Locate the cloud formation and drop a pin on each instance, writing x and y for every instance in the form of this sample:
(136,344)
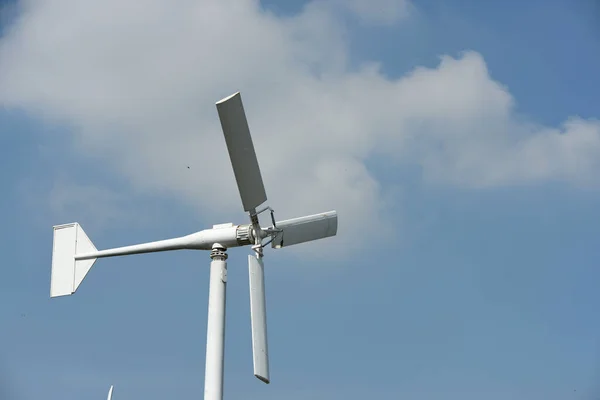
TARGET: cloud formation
(136,83)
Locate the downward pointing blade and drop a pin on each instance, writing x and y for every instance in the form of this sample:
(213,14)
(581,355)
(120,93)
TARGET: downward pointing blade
(258,316)
(241,151)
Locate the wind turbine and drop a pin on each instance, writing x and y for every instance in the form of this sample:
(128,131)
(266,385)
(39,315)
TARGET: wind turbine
(73,253)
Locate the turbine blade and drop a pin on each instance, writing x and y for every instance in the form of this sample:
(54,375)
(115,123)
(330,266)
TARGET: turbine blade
(305,229)
(110,393)
(241,151)
(258,317)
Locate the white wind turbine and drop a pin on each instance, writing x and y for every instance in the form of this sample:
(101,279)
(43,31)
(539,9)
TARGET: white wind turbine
(73,253)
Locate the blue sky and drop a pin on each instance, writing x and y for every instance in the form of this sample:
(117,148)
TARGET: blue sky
(460,286)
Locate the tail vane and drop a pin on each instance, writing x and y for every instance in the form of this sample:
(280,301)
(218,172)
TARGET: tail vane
(68,273)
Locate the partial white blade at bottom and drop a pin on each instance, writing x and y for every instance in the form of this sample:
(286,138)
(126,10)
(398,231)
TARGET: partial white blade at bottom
(110,393)
(258,316)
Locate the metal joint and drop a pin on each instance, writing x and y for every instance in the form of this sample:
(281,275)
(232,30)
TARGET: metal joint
(218,252)
(272,214)
(258,249)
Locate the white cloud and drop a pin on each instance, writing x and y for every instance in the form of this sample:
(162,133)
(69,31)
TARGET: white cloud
(101,207)
(93,205)
(137,82)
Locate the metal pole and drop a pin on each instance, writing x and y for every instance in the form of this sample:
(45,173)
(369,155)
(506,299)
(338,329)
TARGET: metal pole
(215,335)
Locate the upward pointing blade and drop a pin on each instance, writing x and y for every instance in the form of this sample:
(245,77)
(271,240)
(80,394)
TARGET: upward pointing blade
(241,151)
(258,317)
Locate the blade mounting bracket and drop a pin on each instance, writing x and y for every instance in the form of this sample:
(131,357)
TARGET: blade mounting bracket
(272,214)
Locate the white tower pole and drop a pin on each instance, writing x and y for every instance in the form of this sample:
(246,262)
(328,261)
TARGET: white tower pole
(215,335)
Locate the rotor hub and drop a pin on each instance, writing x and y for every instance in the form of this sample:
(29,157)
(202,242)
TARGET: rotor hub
(244,235)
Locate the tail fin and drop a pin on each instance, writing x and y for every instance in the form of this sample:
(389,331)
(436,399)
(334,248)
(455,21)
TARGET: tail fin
(68,273)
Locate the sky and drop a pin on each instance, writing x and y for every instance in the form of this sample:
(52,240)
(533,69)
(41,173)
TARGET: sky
(459,142)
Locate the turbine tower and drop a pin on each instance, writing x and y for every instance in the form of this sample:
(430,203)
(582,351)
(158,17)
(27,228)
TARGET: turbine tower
(73,253)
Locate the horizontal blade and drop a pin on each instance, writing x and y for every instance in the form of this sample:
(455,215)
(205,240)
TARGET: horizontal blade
(305,229)
(258,317)
(241,151)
